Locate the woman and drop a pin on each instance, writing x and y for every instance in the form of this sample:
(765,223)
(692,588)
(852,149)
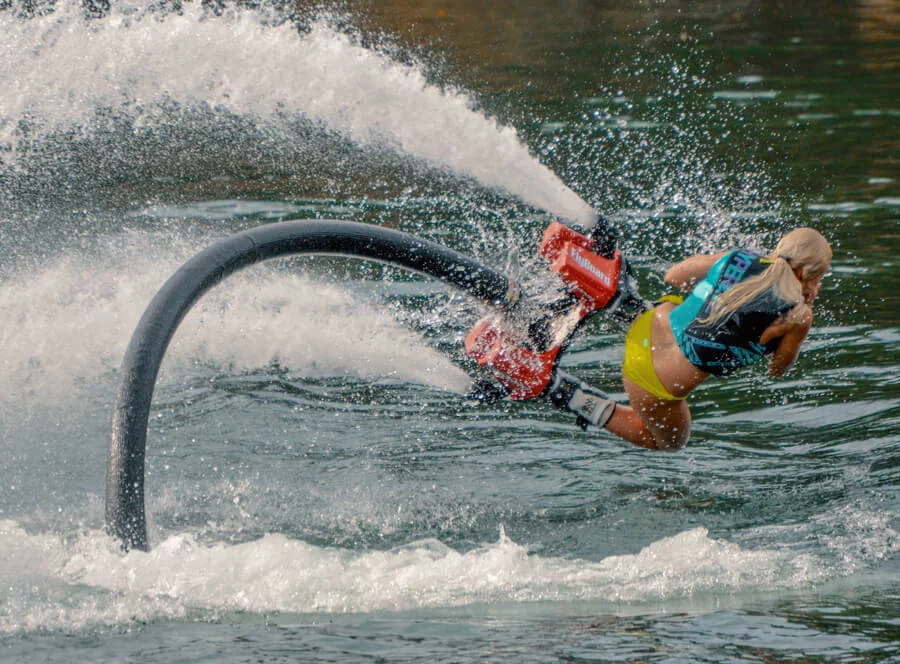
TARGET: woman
(741,307)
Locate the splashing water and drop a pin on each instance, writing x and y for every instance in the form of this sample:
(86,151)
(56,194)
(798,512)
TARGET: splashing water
(57,75)
(74,317)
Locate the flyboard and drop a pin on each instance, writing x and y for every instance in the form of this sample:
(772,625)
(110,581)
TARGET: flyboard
(519,342)
(522,351)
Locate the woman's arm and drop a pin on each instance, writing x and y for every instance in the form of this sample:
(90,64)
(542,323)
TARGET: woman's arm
(687,273)
(792,328)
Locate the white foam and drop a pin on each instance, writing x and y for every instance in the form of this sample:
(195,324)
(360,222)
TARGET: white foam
(85,579)
(68,324)
(58,71)
(275,573)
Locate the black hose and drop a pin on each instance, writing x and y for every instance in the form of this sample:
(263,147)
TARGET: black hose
(125,510)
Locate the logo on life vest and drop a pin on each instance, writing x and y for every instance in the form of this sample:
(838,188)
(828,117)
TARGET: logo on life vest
(590,267)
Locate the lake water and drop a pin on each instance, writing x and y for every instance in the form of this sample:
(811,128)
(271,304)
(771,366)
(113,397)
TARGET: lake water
(319,489)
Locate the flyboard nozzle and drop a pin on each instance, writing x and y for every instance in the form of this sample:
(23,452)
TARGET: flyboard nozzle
(603,235)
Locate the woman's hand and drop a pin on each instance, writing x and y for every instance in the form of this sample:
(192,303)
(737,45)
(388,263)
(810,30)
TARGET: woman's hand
(800,316)
(792,328)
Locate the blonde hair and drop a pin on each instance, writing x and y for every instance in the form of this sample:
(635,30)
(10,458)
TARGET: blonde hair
(803,250)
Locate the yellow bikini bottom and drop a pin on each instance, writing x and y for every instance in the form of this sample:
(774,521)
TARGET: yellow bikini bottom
(638,365)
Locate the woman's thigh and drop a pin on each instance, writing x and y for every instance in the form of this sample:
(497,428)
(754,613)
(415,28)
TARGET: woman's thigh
(668,421)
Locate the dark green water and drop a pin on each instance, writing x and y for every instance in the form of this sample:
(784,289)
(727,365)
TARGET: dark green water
(318,490)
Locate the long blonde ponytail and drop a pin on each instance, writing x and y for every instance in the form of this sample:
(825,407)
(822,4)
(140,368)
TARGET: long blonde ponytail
(803,250)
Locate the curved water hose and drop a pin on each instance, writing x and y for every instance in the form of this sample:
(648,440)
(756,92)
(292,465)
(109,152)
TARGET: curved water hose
(125,511)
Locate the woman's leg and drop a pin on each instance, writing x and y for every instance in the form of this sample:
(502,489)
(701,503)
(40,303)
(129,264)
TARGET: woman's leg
(650,421)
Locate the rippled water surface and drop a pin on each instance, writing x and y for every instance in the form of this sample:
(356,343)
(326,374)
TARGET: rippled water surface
(318,487)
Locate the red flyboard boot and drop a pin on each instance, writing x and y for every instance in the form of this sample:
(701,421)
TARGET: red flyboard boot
(591,277)
(525,373)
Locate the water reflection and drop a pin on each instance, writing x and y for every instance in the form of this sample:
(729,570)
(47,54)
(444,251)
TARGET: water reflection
(879,20)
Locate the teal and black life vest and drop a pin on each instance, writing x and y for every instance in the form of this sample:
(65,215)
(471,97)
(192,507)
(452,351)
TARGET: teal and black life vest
(732,342)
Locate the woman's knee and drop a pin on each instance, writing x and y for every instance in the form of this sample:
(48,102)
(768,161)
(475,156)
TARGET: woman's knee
(663,424)
(672,439)
(670,425)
